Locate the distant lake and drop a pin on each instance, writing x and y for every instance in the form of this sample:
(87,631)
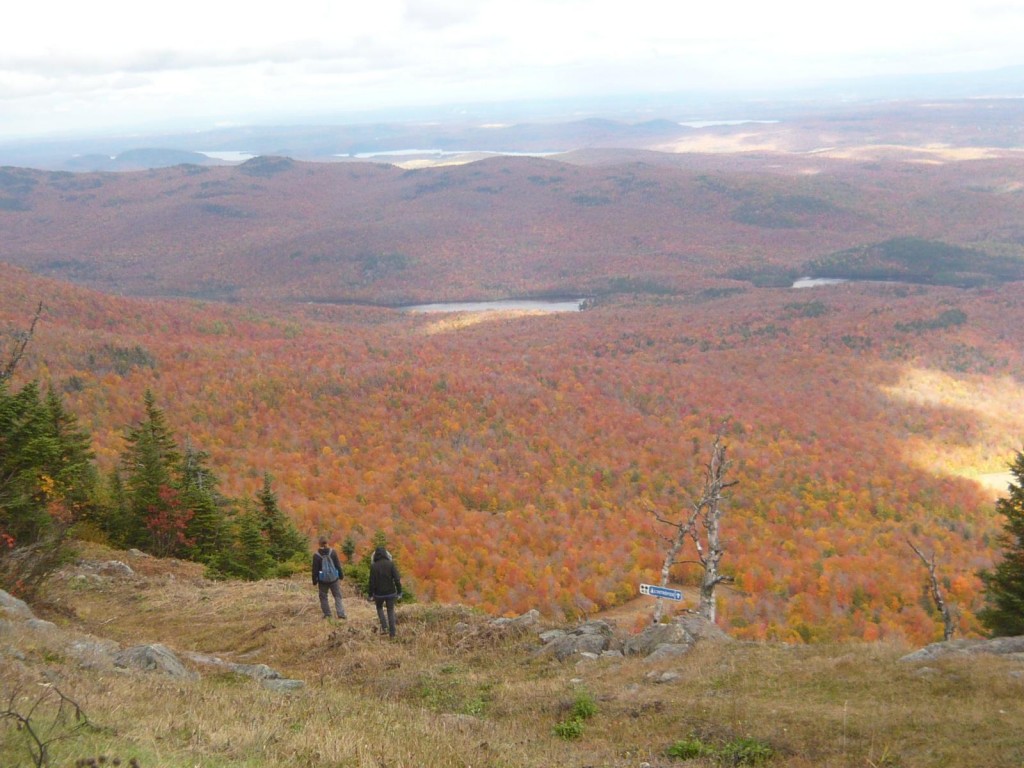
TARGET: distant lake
(713,123)
(441,153)
(229,156)
(521,305)
(813,282)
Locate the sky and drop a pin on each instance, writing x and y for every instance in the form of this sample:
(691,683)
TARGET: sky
(94,66)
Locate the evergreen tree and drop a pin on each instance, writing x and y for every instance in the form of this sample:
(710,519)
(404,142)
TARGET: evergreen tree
(249,558)
(115,518)
(1003,613)
(25,451)
(150,464)
(283,538)
(72,468)
(348,548)
(207,530)
(47,481)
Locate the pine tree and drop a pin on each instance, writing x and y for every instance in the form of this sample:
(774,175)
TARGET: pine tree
(283,538)
(47,481)
(207,530)
(71,467)
(25,450)
(150,466)
(1003,613)
(249,558)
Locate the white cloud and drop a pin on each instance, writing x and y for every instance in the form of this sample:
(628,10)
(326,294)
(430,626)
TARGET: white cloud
(107,62)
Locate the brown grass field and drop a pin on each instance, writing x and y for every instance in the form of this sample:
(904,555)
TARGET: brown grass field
(452,690)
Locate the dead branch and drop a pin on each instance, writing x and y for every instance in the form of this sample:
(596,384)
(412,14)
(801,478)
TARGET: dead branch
(41,735)
(21,340)
(948,613)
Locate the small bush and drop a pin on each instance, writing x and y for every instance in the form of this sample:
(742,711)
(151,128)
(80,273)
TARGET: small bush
(569,730)
(742,751)
(584,707)
(690,748)
(747,751)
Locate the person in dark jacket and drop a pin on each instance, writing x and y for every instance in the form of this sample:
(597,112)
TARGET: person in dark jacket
(384,587)
(326,555)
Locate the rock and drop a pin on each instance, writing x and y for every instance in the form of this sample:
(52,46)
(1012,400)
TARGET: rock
(647,641)
(256,671)
(1000,646)
(282,685)
(14,607)
(570,645)
(115,568)
(551,635)
(152,658)
(527,620)
(701,629)
(522,623)
(668,650)
(597,627)
(93,653)
(40,625)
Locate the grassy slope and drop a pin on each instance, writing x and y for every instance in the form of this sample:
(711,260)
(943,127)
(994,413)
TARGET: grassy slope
(441,696)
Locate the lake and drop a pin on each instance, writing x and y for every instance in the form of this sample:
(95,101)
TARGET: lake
(812,282)
(505,305)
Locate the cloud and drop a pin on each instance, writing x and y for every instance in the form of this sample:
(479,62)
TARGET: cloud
(435,15)
(206,58)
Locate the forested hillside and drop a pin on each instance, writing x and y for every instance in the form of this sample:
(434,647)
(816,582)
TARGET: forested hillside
(513,461)
(659,224)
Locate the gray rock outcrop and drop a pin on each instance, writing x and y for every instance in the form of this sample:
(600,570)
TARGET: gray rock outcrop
(590,637)
(655,638)
(153,658)
(1001,646)
(14,608)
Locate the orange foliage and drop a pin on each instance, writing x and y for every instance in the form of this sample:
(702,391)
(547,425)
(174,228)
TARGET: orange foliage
(511,462)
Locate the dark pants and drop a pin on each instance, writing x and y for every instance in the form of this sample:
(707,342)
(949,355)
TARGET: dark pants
(387,625)
(334,590)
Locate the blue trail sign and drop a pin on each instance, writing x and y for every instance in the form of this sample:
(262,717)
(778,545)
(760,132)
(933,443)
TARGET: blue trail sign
(652,590)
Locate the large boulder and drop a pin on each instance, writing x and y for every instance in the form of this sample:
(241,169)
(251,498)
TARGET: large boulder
(700,629)
(999,646)
(590,637)
(13,607)
(649,641)
(153,658)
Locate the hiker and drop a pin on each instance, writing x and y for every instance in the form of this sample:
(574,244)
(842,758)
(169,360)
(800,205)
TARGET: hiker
(384,587)
(327,576)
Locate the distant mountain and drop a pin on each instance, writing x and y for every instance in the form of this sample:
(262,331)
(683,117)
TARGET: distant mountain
(136,160)
(615,221)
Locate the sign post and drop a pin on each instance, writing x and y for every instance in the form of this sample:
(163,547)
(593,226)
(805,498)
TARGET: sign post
(652,590)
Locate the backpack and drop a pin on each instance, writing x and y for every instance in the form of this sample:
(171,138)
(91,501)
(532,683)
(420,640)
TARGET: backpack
(328,571)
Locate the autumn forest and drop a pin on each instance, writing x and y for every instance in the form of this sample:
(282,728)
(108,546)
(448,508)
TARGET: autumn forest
(516,460)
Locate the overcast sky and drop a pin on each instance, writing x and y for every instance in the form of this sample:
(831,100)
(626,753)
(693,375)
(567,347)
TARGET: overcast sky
(92,65)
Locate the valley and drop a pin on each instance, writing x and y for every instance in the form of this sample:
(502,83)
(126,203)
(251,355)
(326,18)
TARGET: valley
(514,459)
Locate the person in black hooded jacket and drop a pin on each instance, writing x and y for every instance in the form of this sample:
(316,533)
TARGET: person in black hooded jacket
(384,587)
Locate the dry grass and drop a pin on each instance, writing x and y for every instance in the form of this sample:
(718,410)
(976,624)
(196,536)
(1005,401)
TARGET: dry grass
(454,691)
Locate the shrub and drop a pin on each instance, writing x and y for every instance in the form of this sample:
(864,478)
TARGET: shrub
(747,751)
(569,730)
(690,748)
(584,707)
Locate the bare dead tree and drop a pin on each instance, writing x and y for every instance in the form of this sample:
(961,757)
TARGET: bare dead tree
(709,518)
(19,345)
(702,526)
(948,612)
(41,732)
